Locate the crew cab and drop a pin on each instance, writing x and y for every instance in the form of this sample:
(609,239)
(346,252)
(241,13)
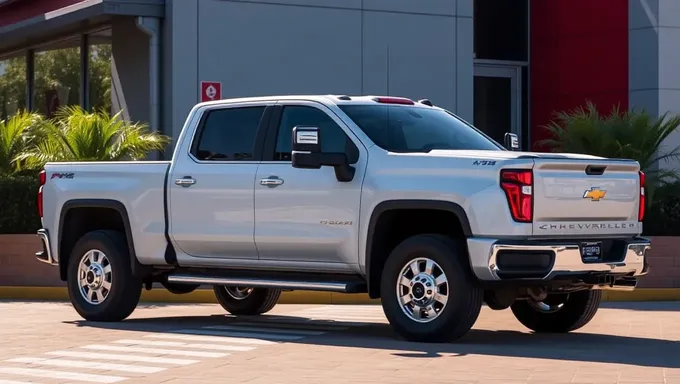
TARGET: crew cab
(396,198)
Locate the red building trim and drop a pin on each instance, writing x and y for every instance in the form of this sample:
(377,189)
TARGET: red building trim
(579,52)
(17,10)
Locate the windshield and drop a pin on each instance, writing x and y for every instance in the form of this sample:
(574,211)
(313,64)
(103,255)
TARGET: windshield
(413,129)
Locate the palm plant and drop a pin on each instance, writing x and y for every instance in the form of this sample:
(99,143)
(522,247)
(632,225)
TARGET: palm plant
(625,135)
(17,133)
(78,135)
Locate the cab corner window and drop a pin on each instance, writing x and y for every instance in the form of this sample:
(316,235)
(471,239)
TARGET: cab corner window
(333,138)
(228,134)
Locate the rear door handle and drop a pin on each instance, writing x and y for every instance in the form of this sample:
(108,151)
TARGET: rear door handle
(186,181)
(271,181)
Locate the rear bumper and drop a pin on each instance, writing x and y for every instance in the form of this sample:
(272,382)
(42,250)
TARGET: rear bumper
(548,260)
(45,255)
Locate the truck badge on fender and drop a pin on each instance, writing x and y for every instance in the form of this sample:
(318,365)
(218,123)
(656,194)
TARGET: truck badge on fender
(594,194)
(335,222)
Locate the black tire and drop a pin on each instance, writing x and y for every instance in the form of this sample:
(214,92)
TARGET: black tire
(180,289)
(125,289)
(578,310)
(498,300)
(462,308)
(259,301)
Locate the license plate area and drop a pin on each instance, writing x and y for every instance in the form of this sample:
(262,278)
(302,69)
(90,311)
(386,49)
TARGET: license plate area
(591,252)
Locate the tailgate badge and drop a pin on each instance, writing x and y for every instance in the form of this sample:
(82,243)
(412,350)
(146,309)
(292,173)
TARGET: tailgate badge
(594,194)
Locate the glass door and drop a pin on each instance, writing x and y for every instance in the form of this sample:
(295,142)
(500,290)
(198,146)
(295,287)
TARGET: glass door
(498,100)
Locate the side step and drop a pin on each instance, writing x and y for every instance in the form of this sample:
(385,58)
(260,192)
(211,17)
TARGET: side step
(334,283)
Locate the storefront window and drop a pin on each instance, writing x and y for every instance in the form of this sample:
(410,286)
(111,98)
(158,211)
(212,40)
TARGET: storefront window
(57,78)
(501,30)
(99,72)
(12,86)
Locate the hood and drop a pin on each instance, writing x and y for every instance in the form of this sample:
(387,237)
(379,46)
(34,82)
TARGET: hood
(498,155)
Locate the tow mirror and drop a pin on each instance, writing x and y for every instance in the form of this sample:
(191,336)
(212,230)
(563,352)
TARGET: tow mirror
(306,139)
(307,154)
(511,142)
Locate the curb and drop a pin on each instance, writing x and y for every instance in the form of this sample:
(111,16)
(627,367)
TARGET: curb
(206,296)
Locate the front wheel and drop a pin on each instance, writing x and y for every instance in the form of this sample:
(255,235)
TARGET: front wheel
(428,291)
(246,301)
(559,312)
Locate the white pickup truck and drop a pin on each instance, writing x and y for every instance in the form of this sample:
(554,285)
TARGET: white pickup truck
(387,196)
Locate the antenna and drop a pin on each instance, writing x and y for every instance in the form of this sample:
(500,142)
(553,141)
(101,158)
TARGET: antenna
(388,70)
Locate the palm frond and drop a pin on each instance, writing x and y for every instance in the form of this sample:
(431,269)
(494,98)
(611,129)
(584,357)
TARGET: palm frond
(78,135)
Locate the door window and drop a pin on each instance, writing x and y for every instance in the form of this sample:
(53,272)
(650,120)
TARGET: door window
(228,134)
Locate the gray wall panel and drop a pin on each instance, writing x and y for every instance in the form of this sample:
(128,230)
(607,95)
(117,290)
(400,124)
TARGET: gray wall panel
(419,66)
(264,47)
(286,49)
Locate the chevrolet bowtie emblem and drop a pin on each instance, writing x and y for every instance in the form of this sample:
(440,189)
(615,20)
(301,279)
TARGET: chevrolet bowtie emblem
(594,194)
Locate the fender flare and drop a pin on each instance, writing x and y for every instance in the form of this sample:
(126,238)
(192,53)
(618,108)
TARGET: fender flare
(138,269)
(390,205)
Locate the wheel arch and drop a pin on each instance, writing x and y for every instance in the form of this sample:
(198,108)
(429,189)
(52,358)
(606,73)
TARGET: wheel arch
(404,205)
(64,242)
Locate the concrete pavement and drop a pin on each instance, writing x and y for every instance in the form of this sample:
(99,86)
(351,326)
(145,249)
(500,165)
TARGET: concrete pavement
(46,342)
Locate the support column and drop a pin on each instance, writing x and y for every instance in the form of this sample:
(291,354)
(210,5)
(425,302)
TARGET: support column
(30,79)
(85,72)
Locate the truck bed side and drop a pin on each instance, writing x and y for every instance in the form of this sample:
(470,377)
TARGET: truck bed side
(139,187)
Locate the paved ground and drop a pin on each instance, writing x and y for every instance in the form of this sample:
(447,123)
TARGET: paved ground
(48,343)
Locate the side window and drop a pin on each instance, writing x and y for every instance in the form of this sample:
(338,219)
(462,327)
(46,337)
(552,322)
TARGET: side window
(333,138)
(228,134)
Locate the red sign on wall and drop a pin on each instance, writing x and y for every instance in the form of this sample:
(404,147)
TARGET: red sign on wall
(211,90)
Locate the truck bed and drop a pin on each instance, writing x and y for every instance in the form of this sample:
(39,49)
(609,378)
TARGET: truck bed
(138,185)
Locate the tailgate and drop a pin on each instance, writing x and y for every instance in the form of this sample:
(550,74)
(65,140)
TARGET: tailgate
(584,197)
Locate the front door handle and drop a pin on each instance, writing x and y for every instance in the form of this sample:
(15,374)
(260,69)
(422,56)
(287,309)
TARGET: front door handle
(186,181)
(271,181)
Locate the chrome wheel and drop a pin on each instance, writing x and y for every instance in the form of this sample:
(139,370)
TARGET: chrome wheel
(95,276)
(422,290)
(550,304)
(239,293)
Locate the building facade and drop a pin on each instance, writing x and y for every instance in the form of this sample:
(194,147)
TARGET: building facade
(502,65)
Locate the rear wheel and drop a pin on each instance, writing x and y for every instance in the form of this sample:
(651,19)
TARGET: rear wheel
(99,277)
(428,292)
(246,301)
(558,313)
(180,289)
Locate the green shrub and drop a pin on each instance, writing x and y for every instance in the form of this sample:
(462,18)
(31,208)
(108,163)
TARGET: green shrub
(18,203)
(663,216)
(633,135)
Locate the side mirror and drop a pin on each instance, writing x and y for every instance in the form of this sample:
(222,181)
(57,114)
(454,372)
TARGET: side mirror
(306,139)
(511,142)
(307,154)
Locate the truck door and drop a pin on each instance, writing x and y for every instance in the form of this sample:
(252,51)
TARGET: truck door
(211,185)
(307,215)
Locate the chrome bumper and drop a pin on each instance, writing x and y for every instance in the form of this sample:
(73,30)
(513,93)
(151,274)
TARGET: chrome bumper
(46,254)
(567,259)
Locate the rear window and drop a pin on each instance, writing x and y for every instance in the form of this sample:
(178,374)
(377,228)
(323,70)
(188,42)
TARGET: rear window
(413,129)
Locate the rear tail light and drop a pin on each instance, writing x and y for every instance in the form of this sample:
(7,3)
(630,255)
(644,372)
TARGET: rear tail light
(393,100)
(641,210)
(518,185)
(43,179)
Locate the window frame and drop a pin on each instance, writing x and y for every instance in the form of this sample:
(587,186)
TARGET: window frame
(260,134)
(269,149)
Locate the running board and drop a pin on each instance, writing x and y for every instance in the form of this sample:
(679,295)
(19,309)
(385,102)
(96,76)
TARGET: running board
(283,282)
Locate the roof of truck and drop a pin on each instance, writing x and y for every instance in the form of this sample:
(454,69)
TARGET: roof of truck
(327,99)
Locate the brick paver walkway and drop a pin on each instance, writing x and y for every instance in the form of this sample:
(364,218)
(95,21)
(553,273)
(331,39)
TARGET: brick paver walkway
(48,343)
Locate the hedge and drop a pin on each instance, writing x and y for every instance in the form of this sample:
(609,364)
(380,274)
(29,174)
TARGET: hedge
(662,218)
(18,204)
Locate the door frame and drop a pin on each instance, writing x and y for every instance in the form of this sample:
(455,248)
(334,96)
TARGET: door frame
(512,71)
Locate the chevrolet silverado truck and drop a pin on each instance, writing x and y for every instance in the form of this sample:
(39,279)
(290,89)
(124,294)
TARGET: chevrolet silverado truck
(385,196)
